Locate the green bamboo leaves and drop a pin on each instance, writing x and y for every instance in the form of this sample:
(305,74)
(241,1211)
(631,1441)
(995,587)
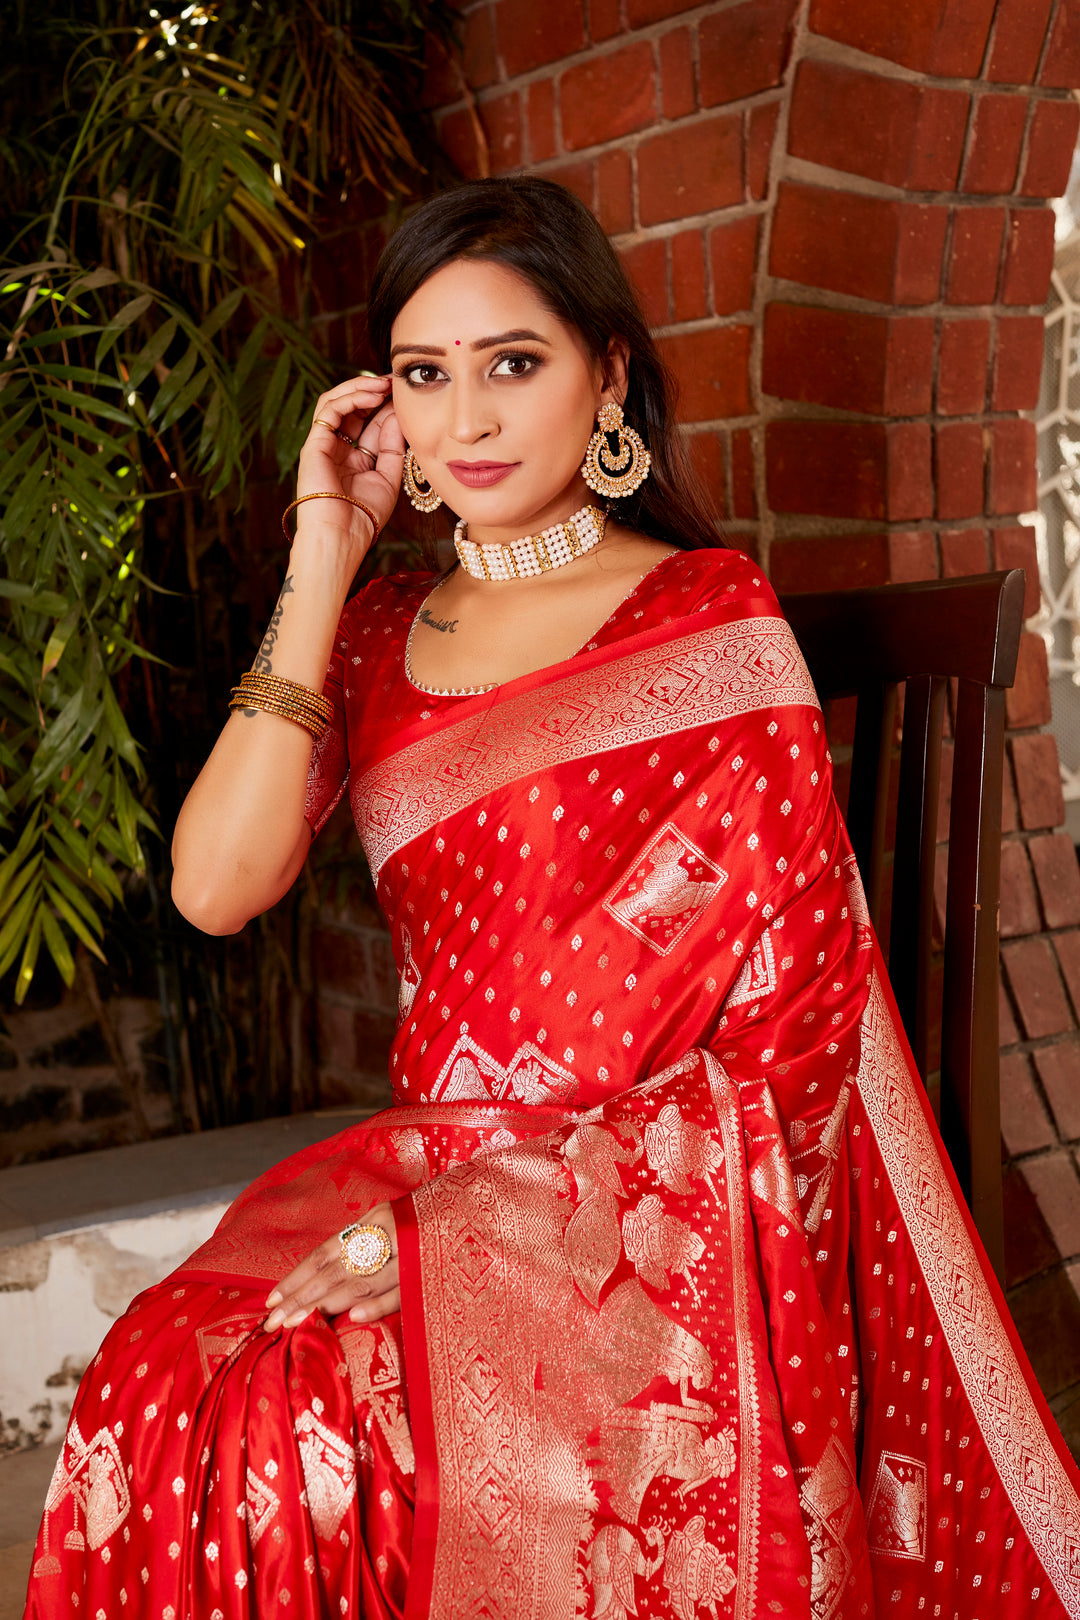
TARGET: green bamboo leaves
(143,357)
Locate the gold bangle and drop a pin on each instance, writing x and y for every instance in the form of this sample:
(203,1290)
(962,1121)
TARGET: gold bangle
(287,699)
(285,691)
(329,495)
(316,727)
(244,694)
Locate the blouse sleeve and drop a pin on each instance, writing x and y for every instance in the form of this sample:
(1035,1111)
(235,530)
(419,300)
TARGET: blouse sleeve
(328,774)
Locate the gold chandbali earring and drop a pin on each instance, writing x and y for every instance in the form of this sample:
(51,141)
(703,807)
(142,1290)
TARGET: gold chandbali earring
(417,488)
(616,462)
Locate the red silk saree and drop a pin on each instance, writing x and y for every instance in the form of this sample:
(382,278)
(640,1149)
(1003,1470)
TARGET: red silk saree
(694,1322)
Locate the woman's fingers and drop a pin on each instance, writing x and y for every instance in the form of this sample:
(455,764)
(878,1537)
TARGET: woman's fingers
(355,445)
(373,1310)
(302,1283)
(359,397)
(332,1291)
(354,388)
(322,1282)
(391,441)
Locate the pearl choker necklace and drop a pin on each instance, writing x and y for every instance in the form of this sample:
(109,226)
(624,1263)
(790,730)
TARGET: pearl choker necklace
(532,554)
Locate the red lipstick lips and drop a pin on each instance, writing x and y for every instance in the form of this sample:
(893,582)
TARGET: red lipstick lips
(480,474)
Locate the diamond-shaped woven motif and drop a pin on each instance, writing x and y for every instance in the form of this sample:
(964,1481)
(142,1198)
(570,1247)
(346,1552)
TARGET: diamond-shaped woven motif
(1072,1556)
(665,890)
(481,1380)
(757,978)
(494,1498)
(669,686)
(963,1291)
(896,1106)
(896,1517)
(998,1385)
(1034,1471)
(930,1199)
(217,1341)
(262,1505)
(773,660)
(473,1261)
(562,718)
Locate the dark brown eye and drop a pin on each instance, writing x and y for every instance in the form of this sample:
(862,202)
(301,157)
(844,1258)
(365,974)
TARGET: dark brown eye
(515,365)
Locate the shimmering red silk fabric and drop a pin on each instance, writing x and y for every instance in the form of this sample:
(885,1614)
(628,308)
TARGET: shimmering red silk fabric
(693,1322)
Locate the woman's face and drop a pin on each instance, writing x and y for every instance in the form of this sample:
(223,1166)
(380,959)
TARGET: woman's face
(496,396)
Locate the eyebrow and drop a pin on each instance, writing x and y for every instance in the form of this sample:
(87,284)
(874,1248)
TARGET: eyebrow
(519,335)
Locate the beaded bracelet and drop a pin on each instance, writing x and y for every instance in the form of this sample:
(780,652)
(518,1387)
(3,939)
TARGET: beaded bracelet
(288,699)
(329,495)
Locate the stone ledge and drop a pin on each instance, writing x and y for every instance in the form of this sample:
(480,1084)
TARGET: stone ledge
(80,1237)
(149,1178)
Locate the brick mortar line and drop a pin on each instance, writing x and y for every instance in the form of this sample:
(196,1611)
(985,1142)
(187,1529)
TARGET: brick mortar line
(1048,34)
(633,138)
(1043,1275)
(843,55)
(1032,1155)
(785,409)
(701,114)
(636,138)
(774,409)
(1070,1390)
(762,279)
(804,171)
(708,219)
(702,323)
(1024,152)
(809,528)
(1038,933)
(821,47)
(825,297)
(591,52)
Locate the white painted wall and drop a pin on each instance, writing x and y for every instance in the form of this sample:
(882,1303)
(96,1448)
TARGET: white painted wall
(59,1296)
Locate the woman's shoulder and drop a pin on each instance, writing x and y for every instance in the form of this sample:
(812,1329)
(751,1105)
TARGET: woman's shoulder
(385,599)
(716,574)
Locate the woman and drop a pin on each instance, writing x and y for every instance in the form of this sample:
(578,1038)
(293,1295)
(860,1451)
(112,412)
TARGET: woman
(651,1294)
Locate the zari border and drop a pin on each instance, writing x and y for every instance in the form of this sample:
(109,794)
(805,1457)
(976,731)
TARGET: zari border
(719,671)
(493,1433)
(749,1421)
(1022,1451)
(421,1414)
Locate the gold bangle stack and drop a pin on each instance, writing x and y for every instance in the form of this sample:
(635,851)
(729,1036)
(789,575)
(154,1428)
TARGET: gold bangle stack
(285,698)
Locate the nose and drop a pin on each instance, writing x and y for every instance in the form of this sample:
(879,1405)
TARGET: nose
(472,414)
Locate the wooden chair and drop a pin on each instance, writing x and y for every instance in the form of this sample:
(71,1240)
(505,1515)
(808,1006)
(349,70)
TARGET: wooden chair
(926,636)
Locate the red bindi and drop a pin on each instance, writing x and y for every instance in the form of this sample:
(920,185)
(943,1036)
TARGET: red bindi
(457,343)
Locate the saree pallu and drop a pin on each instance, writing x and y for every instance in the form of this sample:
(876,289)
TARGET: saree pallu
(693,1318)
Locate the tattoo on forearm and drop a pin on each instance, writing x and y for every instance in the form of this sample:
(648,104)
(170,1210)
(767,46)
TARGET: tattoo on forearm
(263,660)
(449,625)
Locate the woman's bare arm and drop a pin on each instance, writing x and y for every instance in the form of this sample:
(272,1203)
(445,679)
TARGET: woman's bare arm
(241,837)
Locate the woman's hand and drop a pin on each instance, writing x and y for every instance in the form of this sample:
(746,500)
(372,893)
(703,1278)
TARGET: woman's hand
(355,447)
(321,1283)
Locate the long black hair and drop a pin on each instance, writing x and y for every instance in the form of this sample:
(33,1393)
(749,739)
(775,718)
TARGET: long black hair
(542,231)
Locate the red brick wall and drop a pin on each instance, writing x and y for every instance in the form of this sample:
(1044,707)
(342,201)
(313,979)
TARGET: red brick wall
(835,212)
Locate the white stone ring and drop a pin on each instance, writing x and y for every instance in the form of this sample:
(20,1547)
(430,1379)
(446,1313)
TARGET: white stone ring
(364,1250)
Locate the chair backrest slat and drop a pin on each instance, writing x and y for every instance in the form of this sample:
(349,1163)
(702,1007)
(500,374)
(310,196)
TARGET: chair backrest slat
(868,796)
(927,636)
(970,1105)
(912,932)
